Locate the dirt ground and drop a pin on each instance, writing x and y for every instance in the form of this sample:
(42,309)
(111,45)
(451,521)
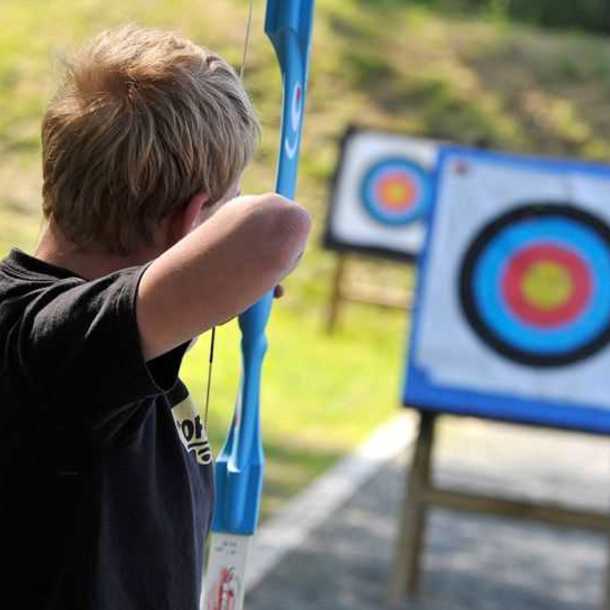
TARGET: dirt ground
(471,562)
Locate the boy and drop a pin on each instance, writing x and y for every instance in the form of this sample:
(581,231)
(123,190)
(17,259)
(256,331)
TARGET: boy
(104,502)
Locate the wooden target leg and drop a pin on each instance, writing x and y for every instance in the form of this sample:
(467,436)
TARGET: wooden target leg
(406,567)
(411,293)
(336,294)
(606,602)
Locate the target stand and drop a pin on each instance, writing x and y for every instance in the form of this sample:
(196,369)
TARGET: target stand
(346,289)
(381,195)
(511,323)
(422,495)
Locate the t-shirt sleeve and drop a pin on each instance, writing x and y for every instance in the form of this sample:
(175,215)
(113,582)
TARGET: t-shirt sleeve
(79,341)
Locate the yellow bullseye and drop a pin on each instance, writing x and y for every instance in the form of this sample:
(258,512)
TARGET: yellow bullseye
(397,194)
(547,285)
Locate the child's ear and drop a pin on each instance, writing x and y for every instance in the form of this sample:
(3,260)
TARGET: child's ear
(187,218)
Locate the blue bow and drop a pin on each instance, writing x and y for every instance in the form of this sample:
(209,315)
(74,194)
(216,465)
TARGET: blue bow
(239,467)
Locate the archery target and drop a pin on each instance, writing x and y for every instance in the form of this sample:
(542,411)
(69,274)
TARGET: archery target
(534,284)
(395,191)
(382,194)
(513,303)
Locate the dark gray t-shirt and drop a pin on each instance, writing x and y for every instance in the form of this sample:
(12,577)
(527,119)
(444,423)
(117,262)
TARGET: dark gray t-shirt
(105,469)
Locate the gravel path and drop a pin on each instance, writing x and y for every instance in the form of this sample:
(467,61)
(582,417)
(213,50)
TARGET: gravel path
(471,562)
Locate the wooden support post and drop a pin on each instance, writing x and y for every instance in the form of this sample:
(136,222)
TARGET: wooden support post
(407,557)
(606,600)
(336,294)
(421,494)
(543,512)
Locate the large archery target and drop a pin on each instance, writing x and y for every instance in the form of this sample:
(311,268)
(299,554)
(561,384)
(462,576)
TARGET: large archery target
(513,300)
(382,194)
(534,284)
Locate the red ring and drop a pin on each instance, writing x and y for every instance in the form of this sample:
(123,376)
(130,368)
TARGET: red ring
(580,276)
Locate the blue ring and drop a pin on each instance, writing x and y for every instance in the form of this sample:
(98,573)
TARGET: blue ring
(491,265)
(371,204)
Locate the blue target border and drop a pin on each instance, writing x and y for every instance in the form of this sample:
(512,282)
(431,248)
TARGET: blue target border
(423,392)
(396,219)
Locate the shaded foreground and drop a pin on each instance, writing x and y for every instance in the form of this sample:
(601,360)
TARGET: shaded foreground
(471,562)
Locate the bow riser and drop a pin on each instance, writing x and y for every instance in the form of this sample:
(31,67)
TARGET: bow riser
(239,468)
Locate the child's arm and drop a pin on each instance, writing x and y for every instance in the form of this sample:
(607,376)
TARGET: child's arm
(218,270)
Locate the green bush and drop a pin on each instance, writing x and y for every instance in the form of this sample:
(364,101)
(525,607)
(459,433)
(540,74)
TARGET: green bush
(592,15)
(586,14)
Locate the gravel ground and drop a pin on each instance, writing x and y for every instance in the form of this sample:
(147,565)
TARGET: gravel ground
(471,562)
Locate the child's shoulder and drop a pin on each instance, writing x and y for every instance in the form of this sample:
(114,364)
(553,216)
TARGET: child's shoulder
(35,291)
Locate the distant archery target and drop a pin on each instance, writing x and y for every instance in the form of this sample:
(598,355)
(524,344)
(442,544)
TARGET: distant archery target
(396,191)
(535,284)
(381,194)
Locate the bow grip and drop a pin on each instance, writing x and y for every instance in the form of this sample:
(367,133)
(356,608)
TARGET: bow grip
(239,468)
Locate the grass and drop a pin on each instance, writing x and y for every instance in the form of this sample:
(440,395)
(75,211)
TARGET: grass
(390,65)
(321,394)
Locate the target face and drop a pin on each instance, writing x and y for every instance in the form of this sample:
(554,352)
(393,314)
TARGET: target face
(396,191)
(534,285)
(381,194)
(512,315)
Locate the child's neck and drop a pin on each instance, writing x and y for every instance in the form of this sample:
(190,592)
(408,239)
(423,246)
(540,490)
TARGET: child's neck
(56,249)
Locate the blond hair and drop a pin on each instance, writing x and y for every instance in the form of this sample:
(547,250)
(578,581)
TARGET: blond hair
(142,122)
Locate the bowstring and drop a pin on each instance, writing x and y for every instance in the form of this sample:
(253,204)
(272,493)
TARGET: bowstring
(242,72)
(209,384)
(244,57)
